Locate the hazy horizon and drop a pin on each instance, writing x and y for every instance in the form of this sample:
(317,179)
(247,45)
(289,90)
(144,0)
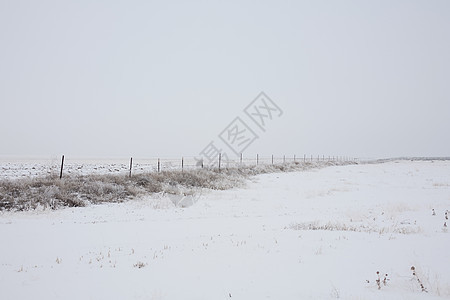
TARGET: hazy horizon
(164,79)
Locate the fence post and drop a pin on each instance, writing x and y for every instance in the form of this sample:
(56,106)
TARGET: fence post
(272,159)
(294,158)
(62,165)
(311,157)
(182,164)
(131,165)
(159,166)
(257,159)
(241,158)
(284,159)
(220,158)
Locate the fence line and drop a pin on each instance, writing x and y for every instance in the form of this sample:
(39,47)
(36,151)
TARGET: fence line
(184,162)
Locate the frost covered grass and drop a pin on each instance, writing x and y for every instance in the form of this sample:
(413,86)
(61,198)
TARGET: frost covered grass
(75,191)
(338,226)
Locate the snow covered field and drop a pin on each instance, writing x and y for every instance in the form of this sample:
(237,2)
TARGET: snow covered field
(14,168)
(318,234)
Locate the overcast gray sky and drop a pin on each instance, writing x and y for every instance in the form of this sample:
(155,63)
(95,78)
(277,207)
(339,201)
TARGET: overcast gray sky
(147,78)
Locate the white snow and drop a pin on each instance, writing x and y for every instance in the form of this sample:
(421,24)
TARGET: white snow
(13,168)
(255,242)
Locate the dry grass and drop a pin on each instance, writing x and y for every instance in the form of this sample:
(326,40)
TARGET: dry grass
(337,226)
(52,192)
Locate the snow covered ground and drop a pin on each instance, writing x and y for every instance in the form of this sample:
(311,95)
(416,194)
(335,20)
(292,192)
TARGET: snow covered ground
(318,234)
(14,168)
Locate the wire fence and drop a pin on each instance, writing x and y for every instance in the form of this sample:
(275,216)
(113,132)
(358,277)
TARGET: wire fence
(16,168)
(19,167)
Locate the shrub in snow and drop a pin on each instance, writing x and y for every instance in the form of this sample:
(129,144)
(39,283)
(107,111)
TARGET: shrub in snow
(414,273)
(139,265)
(381,280)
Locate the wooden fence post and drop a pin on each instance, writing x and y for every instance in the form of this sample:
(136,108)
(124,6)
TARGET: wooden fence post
(284,159)
(241,158)
(131,165)
(272,159)
(294,158)
(257,159)
(182,164)
(220,158)
(159,166)
(62,166)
